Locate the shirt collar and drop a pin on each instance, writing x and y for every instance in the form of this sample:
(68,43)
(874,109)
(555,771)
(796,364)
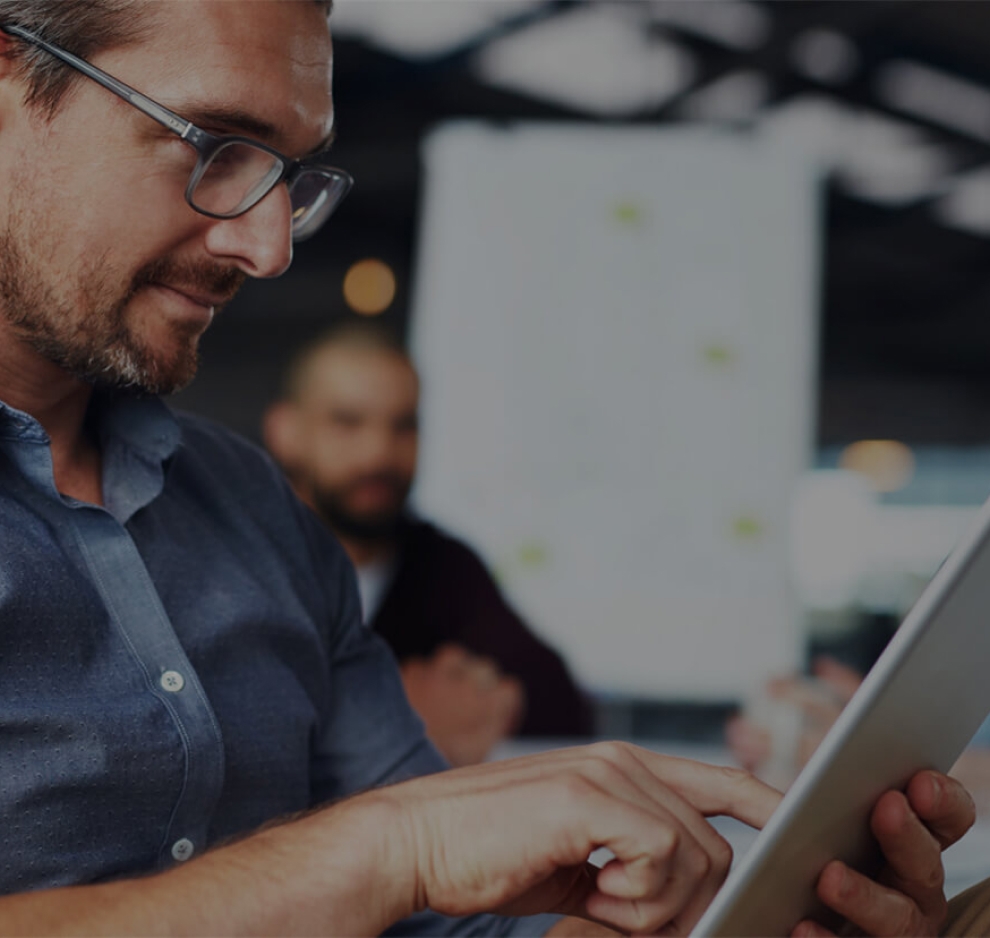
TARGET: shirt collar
(17,425)
(138,437)
(144,425)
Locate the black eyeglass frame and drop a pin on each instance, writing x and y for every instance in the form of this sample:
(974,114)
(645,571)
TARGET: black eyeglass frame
(202,141)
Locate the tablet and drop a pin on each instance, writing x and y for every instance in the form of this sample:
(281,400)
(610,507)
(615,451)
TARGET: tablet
(918,708)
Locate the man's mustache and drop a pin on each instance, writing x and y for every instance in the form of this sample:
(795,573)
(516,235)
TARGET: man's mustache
(206,277)
(391,479)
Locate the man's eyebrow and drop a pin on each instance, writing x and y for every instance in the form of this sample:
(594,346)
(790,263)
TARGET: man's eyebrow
(232,120)
(236,120)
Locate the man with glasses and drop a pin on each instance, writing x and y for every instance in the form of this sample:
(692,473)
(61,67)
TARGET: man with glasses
(181,656)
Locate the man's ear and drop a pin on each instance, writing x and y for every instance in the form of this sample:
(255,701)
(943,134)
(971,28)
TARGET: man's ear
(8,46)
(11,87)
(280,431)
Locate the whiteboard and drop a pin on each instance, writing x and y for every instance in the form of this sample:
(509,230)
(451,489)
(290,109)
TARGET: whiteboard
(616,329)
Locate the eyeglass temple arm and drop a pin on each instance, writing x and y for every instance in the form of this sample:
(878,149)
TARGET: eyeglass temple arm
(155,111)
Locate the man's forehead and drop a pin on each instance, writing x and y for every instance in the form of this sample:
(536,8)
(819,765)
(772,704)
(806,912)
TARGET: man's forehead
(265,60)
(355,375)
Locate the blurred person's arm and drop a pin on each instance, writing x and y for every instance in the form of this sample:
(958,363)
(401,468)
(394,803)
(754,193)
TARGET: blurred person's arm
(815,702)
(819,701)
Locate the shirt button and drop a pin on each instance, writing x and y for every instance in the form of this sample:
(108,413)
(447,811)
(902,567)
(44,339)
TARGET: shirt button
(173,682)
(183,849)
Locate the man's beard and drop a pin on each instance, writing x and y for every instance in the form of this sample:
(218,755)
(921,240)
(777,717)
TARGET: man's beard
(90,339)
(331,505)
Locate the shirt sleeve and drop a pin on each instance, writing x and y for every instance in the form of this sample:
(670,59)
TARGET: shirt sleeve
(372,737)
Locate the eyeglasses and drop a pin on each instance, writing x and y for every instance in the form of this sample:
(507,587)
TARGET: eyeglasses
(232,173)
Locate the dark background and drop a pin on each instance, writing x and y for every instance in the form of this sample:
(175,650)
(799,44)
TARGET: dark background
(905,329)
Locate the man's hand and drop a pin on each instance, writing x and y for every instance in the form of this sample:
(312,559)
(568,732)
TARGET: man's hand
(514,836)
(467,704)
(816,700)
(913,829)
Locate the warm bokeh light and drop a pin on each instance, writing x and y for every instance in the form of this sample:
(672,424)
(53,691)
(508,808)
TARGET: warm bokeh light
(887,464)
(369,287)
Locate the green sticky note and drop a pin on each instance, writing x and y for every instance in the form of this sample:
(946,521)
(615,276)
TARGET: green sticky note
(718,354)
(747,528)
(628,213)
(533,555)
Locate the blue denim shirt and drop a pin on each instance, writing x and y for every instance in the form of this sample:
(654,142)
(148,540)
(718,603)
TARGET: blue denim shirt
(182,665)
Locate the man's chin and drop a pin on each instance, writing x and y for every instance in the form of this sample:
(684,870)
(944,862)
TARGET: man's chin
(142,374)
(366,528)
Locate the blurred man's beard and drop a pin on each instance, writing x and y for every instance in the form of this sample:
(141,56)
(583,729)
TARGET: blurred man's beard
(331,506)
(91,339)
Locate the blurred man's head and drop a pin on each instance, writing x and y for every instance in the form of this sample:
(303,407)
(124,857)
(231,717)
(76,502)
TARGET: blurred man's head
(346,430)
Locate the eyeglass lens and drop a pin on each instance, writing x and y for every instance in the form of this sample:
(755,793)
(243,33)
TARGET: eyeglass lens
(314,196)
(238,175)
(235,177)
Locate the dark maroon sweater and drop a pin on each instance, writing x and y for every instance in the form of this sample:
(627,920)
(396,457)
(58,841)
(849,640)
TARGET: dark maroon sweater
(441,592)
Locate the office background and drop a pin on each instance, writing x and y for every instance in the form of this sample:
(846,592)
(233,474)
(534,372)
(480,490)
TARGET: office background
(889,100)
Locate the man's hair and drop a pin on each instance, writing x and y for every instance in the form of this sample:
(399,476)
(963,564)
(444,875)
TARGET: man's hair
(349,335)
(83,27)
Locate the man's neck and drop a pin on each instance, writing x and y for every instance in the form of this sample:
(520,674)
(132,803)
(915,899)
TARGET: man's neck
(58,401)
(363,553)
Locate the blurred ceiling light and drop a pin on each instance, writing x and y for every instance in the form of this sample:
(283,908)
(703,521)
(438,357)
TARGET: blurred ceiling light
(937,96)
(735,97)
(423,28)
(739,24)
(888,465)
(369,287)
(824,55)
(892,162)
(594,58)
(873,156)
(967,205)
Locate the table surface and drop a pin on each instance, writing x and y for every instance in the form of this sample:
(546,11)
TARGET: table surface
(966,863)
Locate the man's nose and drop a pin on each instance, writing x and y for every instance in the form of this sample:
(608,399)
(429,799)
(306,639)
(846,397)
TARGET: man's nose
(379,448)
(259,242)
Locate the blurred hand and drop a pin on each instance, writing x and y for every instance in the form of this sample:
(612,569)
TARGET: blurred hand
(466,702)
(816,701)
(913,829)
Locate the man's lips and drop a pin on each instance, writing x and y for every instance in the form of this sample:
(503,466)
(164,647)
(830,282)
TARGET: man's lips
(197,297)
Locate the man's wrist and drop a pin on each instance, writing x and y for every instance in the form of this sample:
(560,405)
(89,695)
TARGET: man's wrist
(380,867)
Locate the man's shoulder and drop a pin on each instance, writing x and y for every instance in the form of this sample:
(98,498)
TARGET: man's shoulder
(203,433)
(215,448)
(426,540)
